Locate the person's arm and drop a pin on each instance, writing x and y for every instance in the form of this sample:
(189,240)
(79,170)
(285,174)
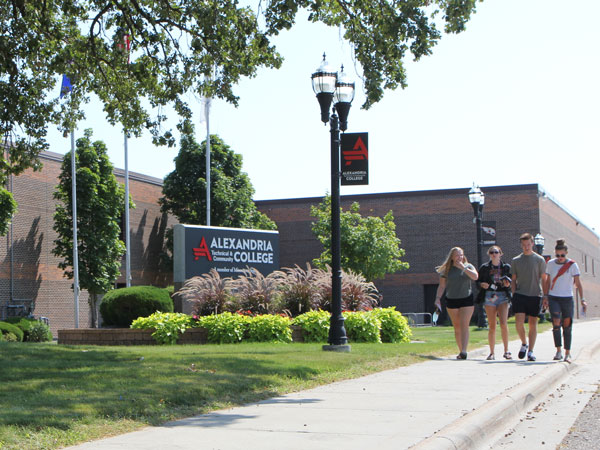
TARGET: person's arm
(513,284)
(546,290)
(482,276)
(470,271)
(579,288)
(439,292)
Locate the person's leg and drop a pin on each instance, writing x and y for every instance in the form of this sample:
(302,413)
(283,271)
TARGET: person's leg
(520,327)
(555,312)
(465,318)
(533,320)
(456,323)
(567,312)
(502,311)
(491,315)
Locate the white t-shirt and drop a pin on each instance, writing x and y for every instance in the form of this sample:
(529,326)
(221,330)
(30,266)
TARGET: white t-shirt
(564,284)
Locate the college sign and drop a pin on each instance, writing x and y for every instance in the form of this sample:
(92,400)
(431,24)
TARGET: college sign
(198,249)
(488,232)
(355,159)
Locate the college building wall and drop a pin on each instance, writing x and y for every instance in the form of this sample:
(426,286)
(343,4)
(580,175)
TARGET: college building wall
(428,223)
(30,273)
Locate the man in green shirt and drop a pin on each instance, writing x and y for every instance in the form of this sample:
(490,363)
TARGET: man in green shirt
(528,272)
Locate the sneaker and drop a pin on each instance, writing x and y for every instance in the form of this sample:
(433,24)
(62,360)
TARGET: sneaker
(507,355)
(530,356)
(568,358)
(523,351)
(490,357)
(558,356)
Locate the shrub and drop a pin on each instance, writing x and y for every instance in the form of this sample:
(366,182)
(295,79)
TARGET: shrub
(269,328)
(167,326)
(24,323)
(121,307)
(209,293)
(362,327)
(10,337)
(394,326)
(7,328)
(358,294)
(255,292)
(39,332)
(315,325)
(299,289)
(225,328)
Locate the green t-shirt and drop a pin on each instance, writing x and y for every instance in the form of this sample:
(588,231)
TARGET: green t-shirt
(529,270)
(458,284)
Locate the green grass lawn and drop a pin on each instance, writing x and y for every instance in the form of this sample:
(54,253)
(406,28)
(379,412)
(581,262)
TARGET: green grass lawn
(53,396)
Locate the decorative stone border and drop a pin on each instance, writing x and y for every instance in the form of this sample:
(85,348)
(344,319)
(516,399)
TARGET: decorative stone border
(128,336)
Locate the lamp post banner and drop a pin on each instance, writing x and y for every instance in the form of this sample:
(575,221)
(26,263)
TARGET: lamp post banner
(355,159)
(198,249)
(488,232)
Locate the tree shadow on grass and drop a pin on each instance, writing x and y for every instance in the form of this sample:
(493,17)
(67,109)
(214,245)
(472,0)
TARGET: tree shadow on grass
(47,386)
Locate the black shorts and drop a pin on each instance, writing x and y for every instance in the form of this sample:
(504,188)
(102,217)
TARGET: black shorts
(455,303)
(525,304)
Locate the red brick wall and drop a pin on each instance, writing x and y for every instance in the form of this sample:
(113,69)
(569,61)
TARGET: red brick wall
(428,223)
(35,272)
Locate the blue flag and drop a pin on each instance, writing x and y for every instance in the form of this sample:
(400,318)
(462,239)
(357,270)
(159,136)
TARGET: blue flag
(66,86)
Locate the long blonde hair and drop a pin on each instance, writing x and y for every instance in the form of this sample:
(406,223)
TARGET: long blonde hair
(444,268)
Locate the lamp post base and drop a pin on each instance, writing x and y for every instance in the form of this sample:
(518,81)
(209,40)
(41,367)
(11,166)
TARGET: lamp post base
(337,348)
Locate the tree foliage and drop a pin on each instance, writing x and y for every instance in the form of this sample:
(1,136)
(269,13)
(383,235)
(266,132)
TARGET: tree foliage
(180,47)
(231,204)
(369,245)
(99,208)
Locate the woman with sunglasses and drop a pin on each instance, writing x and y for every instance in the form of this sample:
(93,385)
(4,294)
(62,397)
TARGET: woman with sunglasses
(494,285)
(558,289)
(456,275)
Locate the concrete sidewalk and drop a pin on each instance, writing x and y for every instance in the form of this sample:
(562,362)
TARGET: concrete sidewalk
(439,404)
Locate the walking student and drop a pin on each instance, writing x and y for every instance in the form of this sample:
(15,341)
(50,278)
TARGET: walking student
(562,273)
(528,272)
(494,284)
(456,275)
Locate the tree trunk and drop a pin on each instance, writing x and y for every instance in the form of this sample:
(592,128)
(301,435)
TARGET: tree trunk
(93,310)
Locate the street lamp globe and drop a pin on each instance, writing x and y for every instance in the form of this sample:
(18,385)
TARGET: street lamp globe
(343,96)
(324,85)
(477,199)
(539,241)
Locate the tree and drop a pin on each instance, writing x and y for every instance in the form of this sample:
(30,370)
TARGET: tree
(368,244)
(99,208)
(231,203)
(180,46)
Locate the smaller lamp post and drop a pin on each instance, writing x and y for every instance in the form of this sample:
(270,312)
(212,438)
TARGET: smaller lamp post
(539,240)
(477,200)
(331,86)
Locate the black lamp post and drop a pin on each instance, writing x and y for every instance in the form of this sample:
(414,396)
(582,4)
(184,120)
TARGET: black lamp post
(331,86)
(539,240)
(477,200)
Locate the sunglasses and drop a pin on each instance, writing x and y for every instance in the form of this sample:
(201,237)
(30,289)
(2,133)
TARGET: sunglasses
(493,252)
(561,255)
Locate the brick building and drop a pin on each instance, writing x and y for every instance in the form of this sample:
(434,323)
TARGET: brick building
(429,223)
(30,276)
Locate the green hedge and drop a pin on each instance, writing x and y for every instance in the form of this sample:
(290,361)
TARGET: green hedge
(6,328)
(122,306)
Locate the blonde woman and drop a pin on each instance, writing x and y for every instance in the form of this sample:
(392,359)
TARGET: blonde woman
(456,275)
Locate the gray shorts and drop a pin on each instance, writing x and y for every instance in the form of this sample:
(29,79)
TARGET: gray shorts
(495,298)
(561,307)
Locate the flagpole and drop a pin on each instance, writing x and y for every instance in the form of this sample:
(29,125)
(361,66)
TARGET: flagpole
(127,244)
(74,206)
(207,113)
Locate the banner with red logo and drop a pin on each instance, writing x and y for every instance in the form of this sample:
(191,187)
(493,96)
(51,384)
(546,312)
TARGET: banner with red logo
(198,249)
(355,158)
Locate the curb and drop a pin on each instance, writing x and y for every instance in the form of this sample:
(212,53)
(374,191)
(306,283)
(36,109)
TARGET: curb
(476,428)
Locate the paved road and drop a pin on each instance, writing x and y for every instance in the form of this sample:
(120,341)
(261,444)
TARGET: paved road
(585,432)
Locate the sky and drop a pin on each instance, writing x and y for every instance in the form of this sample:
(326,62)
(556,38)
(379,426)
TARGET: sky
(514,99)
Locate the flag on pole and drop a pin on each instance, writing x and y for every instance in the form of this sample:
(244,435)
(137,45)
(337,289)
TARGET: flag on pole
(66,86)
(125,46)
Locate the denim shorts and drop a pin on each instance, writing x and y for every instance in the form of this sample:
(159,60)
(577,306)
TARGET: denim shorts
(495,298)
